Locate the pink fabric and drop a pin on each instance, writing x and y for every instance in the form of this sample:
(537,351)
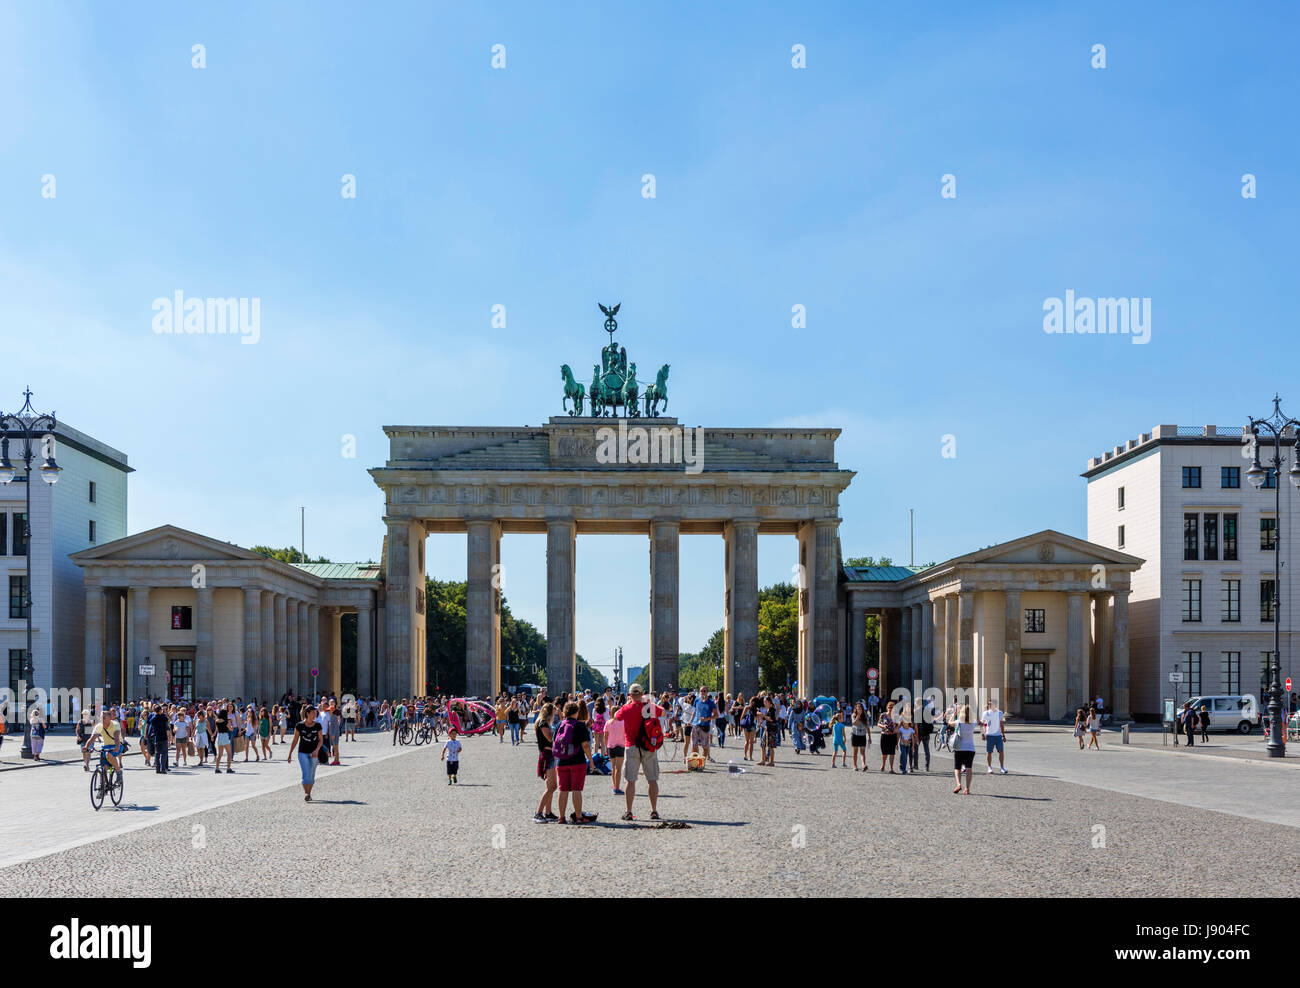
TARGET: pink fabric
(615,736)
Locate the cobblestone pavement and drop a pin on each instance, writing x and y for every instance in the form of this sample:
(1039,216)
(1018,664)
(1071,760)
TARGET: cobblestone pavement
(392,826)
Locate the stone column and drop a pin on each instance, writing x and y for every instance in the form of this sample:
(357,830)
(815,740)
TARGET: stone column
(740,607)
(282,681)
(364,681)
(483,608)
(404,609)
(93,677)
(308,645)
(271,689)
(927,644)
(1074,651)
(966,644)
(825,607)
(139,644)
(1102,683)
(204,658)
(905,673)
(1013,668)
(939,608)
(918,662)
(334,628)
(251,684)
(952,638)
(291,645)
(113,645)
(561,550)
(858,652)
(1119,690)
(665,603)
(883,667)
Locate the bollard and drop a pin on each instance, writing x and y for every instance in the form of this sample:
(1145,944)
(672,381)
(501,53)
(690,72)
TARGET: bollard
(1125,730)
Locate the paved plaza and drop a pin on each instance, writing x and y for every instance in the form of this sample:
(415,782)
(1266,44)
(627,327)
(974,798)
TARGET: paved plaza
(386,823)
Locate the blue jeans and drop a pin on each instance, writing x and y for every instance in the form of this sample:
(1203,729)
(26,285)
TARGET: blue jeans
(514,733)
(903,751)
(308,765)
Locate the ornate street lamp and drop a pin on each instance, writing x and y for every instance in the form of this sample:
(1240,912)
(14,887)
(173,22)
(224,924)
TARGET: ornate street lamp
(27,424)
(1275,425)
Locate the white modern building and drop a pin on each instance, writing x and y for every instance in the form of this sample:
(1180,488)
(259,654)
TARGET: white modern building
(87,506)
(1179,498)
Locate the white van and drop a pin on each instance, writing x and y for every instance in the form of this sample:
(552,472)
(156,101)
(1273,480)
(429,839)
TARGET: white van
(1230,712)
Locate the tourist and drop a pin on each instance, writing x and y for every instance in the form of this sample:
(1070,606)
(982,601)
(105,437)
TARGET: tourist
(794,721)
(350,714)
(109,732)
(748,724)
(222,734)
(1101,709)
(771,732)
(37,733)
(264,731)
(1094,729)
(512,720)
(1080,726)
(838,747)
(703,711)
(160,738)
(180,725)
(615,747)
(860,736)
(963,747)
(1204,717)
(307,736)
(572,749)
(85,725)
(642,754)
(906,744)
(993,722)
(250,734)
(451,755)
(399,718)
(545,763)
(500,724)
(334,730)
(1190,718)
(888,737)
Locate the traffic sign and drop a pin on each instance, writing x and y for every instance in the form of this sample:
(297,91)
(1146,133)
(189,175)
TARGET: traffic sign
(872,673)
(1175,676)
(1288,684)
(314,672)
(148,670)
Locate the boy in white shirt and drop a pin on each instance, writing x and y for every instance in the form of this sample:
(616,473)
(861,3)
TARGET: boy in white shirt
(451,755)
(994,727)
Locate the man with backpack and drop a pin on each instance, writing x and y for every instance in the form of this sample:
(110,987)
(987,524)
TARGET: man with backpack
(645,736)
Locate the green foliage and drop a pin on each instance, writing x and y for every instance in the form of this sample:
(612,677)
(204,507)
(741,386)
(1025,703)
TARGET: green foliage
(287,555)
(778,636)
(868,561)
(643,678)
(587,678)
(702,669)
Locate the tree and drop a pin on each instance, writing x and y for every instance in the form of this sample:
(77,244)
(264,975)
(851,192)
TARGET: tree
(287,555)
(587,678)
(778,636)
(868,561)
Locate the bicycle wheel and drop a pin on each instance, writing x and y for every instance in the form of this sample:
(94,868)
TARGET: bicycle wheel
(116,785)
(404,735)
(419,737)
(97,788)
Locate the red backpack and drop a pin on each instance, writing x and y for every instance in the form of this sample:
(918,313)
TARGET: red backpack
(652,734)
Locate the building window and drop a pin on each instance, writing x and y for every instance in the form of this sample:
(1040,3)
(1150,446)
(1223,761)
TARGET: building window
(1121,536)
(92,492)
(1265,673)
(1193,662)
(1232,600)
(1230,477)
(1191,476)
(1270,478)
(1267,603)
(1121,499)
(20,534)
(1189,536)
(4,533)
(1034,685)
(1267,534)
(92,530)
(1191,600)
(1229,536)
(1232,672)
(1211,536)
(1036,620)
(18,596)
(182,618)
(17,661)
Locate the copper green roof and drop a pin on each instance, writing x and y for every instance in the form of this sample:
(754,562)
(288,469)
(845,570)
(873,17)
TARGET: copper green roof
(340,571)
(879,574)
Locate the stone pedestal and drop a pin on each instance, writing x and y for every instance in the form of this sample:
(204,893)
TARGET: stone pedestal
(664,604)
(740,608)
(561,549)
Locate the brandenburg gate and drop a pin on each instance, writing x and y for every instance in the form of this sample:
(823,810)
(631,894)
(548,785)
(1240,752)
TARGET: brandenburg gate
(622,467)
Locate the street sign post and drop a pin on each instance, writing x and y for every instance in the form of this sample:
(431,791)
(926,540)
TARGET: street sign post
(314,673)
(147,670)
(1175,676)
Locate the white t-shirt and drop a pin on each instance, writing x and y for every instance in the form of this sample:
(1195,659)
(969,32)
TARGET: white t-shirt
(452,748)
(992,721)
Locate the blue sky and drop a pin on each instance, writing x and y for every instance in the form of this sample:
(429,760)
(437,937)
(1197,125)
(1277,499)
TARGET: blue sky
(521,186)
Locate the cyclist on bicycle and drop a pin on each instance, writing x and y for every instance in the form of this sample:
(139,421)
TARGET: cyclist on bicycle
(109,732)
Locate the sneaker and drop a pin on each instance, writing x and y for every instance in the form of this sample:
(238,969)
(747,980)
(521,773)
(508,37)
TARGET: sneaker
(218,771)
(230,771)
(618,792)
(540,818)
(1004,771)
(990,770)
(551,818)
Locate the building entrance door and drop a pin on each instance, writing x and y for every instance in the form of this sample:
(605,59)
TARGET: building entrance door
(181,686)
(1035,684)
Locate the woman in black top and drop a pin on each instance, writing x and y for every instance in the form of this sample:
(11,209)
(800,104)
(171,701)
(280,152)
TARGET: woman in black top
(545,764)
(307,739)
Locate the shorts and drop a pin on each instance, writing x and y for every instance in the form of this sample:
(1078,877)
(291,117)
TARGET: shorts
(545,762)
(638,762)
(888,744)
(223,739)
(452,767)
(572,777)
(617,751)
(701,736)
(859,740)
(993,742)
(839,745)
(963,759)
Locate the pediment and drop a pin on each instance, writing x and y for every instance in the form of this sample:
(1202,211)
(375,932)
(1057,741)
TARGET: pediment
(166,544)
(1049,548)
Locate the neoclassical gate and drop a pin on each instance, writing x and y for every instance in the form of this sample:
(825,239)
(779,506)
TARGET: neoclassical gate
(588,475)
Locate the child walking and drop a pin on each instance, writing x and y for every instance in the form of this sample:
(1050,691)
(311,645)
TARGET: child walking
(451,755)
(838,749)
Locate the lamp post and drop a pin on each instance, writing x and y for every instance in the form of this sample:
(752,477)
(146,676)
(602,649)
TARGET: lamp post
(1275,425)
(25,424)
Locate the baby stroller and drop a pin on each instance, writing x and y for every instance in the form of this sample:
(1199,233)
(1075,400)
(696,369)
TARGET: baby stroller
(600,764)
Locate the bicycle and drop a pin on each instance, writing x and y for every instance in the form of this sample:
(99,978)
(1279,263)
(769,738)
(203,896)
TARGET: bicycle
(424,733)
(105,781)
(404,734)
